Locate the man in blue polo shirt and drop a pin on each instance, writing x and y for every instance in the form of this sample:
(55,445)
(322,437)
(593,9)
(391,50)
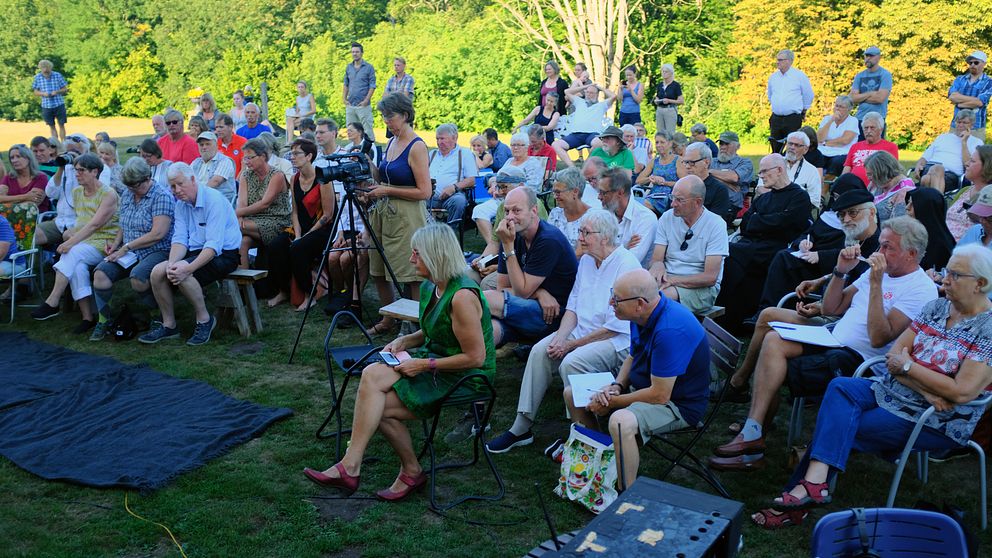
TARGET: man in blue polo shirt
(663,385)
(204,249)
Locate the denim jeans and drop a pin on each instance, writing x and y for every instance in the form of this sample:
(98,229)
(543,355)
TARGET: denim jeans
(850,419)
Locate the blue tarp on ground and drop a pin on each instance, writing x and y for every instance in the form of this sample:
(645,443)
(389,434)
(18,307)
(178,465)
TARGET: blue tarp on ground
(95,421)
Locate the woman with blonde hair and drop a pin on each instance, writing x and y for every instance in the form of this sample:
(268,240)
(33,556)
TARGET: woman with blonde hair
(455,339)
(208,111)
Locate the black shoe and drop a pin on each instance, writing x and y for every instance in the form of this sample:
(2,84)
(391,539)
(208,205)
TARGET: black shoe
(336,303)
(44,312)
(949,455)
(84,326)
(752,321)
(522,352)
(733,395)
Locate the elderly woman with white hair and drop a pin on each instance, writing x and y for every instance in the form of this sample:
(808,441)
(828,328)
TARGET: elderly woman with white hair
(667,100)
(941,360)
(567,186)
(533,169)
(455,339)
(837,132)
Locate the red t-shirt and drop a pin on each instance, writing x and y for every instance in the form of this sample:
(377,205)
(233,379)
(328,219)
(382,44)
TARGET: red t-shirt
(39,182)
(234,151)
(860,151)
(546,151)
(184,150)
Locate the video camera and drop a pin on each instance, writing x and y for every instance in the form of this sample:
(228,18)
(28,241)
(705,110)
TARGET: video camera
(350,169)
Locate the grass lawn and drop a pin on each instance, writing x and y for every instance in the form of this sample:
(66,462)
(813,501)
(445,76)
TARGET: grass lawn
(254,501)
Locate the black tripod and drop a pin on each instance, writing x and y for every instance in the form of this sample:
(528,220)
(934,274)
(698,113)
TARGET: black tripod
(349,206)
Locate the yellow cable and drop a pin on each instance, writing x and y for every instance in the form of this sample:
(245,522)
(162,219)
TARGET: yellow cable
(173,537)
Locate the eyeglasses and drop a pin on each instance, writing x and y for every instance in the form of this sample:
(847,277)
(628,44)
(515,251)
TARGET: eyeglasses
(853,213)
(172,122)
(685,241)
(136,184)
(956,276)
(688,162)
(557,193)
(762,172)
(781,59)
(587,232)
(794,144)
(616,301)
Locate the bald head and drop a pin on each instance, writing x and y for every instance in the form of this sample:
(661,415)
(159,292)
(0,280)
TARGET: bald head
(772,171)
(636,283)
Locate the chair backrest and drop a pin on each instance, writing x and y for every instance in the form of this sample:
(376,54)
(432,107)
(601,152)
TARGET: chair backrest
(891,532)
(725,349)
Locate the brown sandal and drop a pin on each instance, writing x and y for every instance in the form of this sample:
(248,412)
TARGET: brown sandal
(381,328)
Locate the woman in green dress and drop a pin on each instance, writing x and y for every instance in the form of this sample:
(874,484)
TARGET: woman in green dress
(263,199)
(455,339)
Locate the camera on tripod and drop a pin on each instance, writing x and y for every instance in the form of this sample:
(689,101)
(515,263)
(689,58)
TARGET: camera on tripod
(350,169)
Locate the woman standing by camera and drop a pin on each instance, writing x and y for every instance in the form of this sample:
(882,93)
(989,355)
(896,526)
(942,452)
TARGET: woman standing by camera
(403,183)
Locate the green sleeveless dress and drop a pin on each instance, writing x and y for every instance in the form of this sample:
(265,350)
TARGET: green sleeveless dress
(422,393)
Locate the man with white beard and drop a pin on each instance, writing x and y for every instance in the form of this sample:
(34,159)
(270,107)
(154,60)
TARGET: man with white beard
(799,170)
(732,169)
(819,247)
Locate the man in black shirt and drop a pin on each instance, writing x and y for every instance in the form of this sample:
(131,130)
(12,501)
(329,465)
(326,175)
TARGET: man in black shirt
(697,159)
(536,272)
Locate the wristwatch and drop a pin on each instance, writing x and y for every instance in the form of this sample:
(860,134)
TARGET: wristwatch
(506,255)
(906,367)
(838,274)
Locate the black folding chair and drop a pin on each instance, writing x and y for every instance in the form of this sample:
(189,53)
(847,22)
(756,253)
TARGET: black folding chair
(458,397)
(725,350)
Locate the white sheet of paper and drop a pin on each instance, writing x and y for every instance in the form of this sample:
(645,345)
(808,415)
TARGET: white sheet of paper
(127,260)
(585,385)
(812,335)
(799,254)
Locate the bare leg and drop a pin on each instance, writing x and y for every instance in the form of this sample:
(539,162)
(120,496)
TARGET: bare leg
(561,149)
(370,406)
(485,229)
(398,436)
(249,236)
(58,289)
(61,132)
(623,421)
(87,308)
(771,371)
(743,374)
(191,289)
(579,414)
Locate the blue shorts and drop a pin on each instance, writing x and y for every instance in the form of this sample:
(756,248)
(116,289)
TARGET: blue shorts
(523,319)
(578,139)
(50,115)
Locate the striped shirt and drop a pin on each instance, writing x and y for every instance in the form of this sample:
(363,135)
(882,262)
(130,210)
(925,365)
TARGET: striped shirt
(50,84)
(980,88)
(405,84)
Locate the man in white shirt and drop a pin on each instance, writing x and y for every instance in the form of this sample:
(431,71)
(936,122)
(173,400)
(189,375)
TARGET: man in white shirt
(590,337)
(214,168)
(874,310)
(689,247)
(453,170)
(790,94)
(942,164)
(799,170)
(637,222)
(588,120)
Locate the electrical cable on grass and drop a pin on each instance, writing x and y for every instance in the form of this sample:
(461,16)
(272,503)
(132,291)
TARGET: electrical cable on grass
(173,537)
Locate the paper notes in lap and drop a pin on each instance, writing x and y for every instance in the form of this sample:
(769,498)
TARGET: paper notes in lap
(584,386)
(811,335)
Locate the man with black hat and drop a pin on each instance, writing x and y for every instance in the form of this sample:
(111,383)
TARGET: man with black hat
(874,311)
(732,169)
(972,90)
(871,87)
(850,219)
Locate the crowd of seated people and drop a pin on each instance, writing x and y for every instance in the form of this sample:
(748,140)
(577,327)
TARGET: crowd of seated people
(603,264)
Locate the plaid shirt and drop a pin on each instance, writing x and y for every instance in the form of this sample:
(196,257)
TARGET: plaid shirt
(981,88)
(136,217)
(50,84)
(406,84)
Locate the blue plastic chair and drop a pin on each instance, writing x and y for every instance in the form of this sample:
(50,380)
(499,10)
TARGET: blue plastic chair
(891,532)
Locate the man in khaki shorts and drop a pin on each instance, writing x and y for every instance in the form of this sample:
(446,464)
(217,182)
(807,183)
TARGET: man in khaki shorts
(690,246)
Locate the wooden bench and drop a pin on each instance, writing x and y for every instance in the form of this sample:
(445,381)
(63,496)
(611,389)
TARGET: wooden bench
(403,309)
(238,293)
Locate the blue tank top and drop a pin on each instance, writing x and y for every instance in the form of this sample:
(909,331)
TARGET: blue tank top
(627,104)
(398,172)
(668,172)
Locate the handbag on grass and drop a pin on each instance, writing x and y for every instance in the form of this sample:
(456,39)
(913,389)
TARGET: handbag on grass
(588,469)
